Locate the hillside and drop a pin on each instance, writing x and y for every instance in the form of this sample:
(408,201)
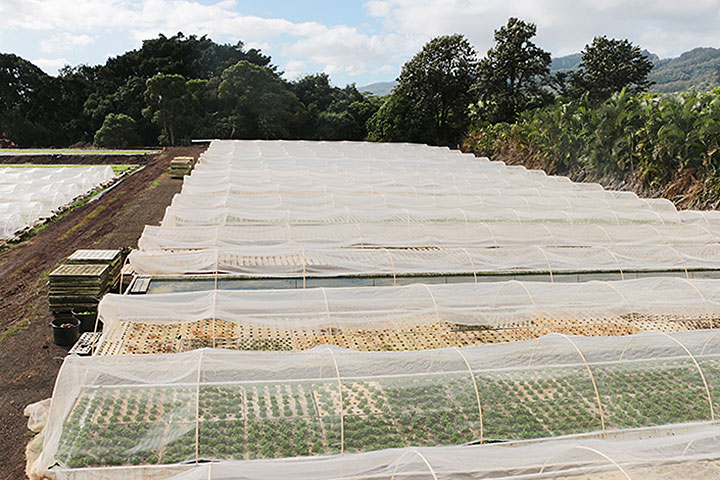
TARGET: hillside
(379,89)
(698,69)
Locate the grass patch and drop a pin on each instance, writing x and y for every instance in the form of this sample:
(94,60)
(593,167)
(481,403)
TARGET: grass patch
(70,151)
(154,184)
(116,168)
(14,330)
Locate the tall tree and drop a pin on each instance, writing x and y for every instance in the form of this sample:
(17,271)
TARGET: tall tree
(514,75)
(171,106)
(609,65)
(432,96)
(257,103)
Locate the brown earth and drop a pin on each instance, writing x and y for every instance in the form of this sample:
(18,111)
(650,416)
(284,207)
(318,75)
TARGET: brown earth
(29,361)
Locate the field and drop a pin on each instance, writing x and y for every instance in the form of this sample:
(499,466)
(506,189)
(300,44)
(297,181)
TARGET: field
(30,360)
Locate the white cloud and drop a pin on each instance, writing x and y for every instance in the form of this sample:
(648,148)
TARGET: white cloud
(51,65)
(343,49)
(64,42)
(667,27)
(377,45)
(294,69)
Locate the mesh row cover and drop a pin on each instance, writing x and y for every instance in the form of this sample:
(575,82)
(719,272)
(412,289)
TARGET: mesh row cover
(293,261)
(28,194)
(360,213)
(280,180)
(219,404)
(693,454)
(425,235)
(374,308)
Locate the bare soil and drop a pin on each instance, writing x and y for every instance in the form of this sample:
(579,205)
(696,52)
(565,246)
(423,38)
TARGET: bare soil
(29,361)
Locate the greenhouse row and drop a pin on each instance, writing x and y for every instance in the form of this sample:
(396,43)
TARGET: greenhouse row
(28,194)
(354,310)
(369,235)
(216,404)
(413,317)
(667,457)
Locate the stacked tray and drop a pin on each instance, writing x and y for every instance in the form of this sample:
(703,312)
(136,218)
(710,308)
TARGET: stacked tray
(181,166)
(112,258)
(77,287)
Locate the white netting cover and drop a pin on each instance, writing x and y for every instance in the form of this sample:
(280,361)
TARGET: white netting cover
(248,182)
(304,208)
(692,454)
(411,317)
(473,304)
(425,235)
(28,194)
(219,404)
(294,261)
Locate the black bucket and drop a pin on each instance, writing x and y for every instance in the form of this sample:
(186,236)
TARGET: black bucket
(87,319)
(65,330)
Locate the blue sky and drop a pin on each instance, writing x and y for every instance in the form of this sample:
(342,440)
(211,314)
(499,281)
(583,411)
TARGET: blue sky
(353,41)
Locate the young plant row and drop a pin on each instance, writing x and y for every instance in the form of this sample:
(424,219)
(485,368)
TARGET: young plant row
(159,424)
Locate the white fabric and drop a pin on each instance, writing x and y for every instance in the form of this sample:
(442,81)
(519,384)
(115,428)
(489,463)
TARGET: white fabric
(553,385)
(28,194)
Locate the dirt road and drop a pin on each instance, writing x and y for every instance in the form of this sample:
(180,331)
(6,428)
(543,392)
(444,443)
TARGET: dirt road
(29,361)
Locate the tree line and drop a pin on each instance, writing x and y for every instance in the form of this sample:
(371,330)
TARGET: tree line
(173,89)
(446,88)
(177,88)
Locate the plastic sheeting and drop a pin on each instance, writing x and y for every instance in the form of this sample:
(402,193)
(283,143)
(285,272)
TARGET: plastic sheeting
(28,194)
(219,404)
(293,261)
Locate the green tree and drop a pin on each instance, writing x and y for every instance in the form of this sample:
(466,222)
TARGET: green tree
(609,65)
(514,76)
(432,95)
(258,103)
(171,106)
(389,123)
(118,130)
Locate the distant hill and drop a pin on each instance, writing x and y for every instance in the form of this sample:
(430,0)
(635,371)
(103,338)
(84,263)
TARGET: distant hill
(566,63)
(698,69)
(379,89)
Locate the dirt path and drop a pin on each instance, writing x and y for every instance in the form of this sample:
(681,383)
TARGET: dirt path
(29,361)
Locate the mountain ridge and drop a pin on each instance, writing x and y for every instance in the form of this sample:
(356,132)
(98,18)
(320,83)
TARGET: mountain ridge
(696,69)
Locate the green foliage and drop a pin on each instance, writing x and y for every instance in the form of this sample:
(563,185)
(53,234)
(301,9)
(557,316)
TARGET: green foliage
(171,106)
(118,130)
(430,103)
(175,88)
(511,78)
(608,66)
(628,136)
(258,103)
(333,113)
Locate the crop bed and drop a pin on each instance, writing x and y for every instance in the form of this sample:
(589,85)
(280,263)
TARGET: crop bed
(142,338)
(246,420)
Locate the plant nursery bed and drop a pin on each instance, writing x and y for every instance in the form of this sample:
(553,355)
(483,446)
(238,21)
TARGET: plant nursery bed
(171,424)
(127,337)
